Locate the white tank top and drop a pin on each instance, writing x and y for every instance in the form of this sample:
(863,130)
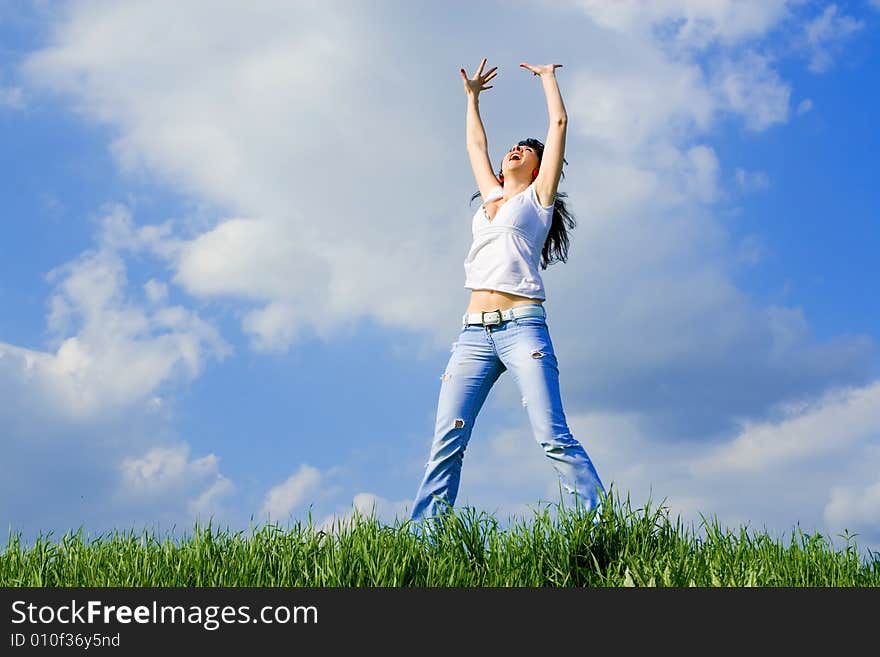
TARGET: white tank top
(506,251)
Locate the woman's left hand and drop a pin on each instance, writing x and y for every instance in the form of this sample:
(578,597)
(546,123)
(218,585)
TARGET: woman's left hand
(540,70)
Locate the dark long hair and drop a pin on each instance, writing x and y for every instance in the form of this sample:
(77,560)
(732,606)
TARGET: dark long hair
(556,245)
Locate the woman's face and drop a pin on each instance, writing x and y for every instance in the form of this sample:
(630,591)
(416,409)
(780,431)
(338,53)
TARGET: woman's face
(520,157)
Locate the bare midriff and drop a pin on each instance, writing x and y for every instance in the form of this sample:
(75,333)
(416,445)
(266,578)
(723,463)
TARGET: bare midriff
(495,300)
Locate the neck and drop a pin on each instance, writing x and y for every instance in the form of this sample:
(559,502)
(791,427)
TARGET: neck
(514,186)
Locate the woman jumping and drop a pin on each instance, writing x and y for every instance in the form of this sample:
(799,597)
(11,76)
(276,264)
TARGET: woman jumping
(521,224)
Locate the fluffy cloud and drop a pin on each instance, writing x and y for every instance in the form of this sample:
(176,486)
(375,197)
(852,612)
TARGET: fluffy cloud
(101,391)
(689,23)
(298,489)
(310,236)
(108,351)
(167,474)
(629,105)
(273,132)
(367,505)
(808,430)
(751,88)
(856,509)
(824,35)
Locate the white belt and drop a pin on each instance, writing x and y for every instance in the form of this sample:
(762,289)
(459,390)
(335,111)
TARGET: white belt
(496,317)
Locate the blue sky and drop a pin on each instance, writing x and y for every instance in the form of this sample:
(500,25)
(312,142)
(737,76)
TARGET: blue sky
(231,265)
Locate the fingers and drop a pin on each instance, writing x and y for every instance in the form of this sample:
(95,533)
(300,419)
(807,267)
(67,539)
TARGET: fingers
(479,76)
(478,82)
(538,70)
(533,68)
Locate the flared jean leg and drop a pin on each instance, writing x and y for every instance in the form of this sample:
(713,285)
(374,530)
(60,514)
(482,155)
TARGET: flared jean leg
(527,351)
(471,372)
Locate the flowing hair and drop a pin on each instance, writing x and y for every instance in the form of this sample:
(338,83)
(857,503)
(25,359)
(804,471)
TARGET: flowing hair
(556,245)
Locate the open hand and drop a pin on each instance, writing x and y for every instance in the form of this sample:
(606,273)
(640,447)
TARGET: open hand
(540,70)
(477,83)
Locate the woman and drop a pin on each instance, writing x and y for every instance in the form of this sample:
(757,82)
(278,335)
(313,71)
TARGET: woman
(521,224)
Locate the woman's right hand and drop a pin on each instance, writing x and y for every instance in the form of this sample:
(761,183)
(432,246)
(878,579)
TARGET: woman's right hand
(473,86)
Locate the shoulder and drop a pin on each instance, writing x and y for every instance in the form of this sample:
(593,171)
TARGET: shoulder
(533,195)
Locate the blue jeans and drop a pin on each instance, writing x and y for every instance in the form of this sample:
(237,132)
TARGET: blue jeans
(479,356)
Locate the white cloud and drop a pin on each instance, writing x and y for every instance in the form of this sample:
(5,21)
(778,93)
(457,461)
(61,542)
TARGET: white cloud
(857,509)
(667,85)
(248,258)
(749,86)
(808,430)
(255,121)
(108,351)
(298,489)
(629,104)
(311,252)
(824,35)
(804,106)
(689,23)
(640,115)
(156,291)
(371,504)
(167,475)
(102,391)
(367,505)
(273,327)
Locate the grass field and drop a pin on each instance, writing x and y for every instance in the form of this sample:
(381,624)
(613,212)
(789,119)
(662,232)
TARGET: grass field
(556,547)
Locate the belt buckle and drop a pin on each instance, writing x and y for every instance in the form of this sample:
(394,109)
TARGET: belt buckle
(490,312)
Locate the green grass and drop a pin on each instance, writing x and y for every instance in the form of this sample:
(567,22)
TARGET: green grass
(628,547)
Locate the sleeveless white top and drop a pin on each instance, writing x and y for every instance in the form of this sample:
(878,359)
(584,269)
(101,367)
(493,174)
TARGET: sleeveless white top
(505,254)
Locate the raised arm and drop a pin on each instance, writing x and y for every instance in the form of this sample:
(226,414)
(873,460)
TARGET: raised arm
(550,171)
(477,146)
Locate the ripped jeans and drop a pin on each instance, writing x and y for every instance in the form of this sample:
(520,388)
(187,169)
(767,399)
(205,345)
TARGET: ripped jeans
(479,356)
